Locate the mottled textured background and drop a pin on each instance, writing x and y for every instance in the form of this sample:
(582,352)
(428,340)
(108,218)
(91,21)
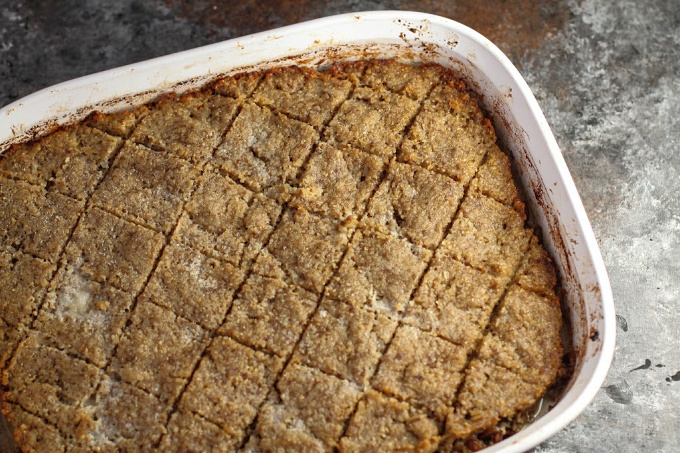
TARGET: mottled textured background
(607,75)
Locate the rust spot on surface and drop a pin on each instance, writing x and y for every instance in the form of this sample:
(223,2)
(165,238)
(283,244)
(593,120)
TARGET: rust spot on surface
(239,18)
(515,26)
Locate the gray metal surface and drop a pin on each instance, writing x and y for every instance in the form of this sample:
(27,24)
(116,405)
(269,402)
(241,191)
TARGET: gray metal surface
(607,75)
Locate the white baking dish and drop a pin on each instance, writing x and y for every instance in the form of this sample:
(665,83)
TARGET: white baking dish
(554,203)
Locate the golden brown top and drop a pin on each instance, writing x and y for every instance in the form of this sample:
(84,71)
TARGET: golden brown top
(295,260)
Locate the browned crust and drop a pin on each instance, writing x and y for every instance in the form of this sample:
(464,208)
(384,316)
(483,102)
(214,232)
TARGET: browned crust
(291,261)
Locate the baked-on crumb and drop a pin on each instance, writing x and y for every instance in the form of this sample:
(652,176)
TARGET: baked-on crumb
(287,260)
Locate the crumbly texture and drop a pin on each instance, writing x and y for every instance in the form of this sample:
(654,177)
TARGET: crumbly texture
(516,361)
(450,134)
(264,150)
(528,323)
(158,351)
(382,423)
(230,384)
(9,340)
(84,317)
(50,384)
(193,285)
(536,272)
(225,220)
(455,301)
(269,314)
(189,127)
(304,249)
(146,186)
(303,94)
(124,418)
(338,183)
(238,86)
(488,236)
(190,432)
(414,82)
(22,278)
(422,369)
(348,70)
(379,272)
(415,204)
(70,161)
(345,341)
(310,412)
(287,260)
(120,124)
(494,179)
(111,250)
(372,121)
(35,221)
(34,433)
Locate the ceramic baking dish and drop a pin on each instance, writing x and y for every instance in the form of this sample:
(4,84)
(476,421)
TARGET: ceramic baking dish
(554,204)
